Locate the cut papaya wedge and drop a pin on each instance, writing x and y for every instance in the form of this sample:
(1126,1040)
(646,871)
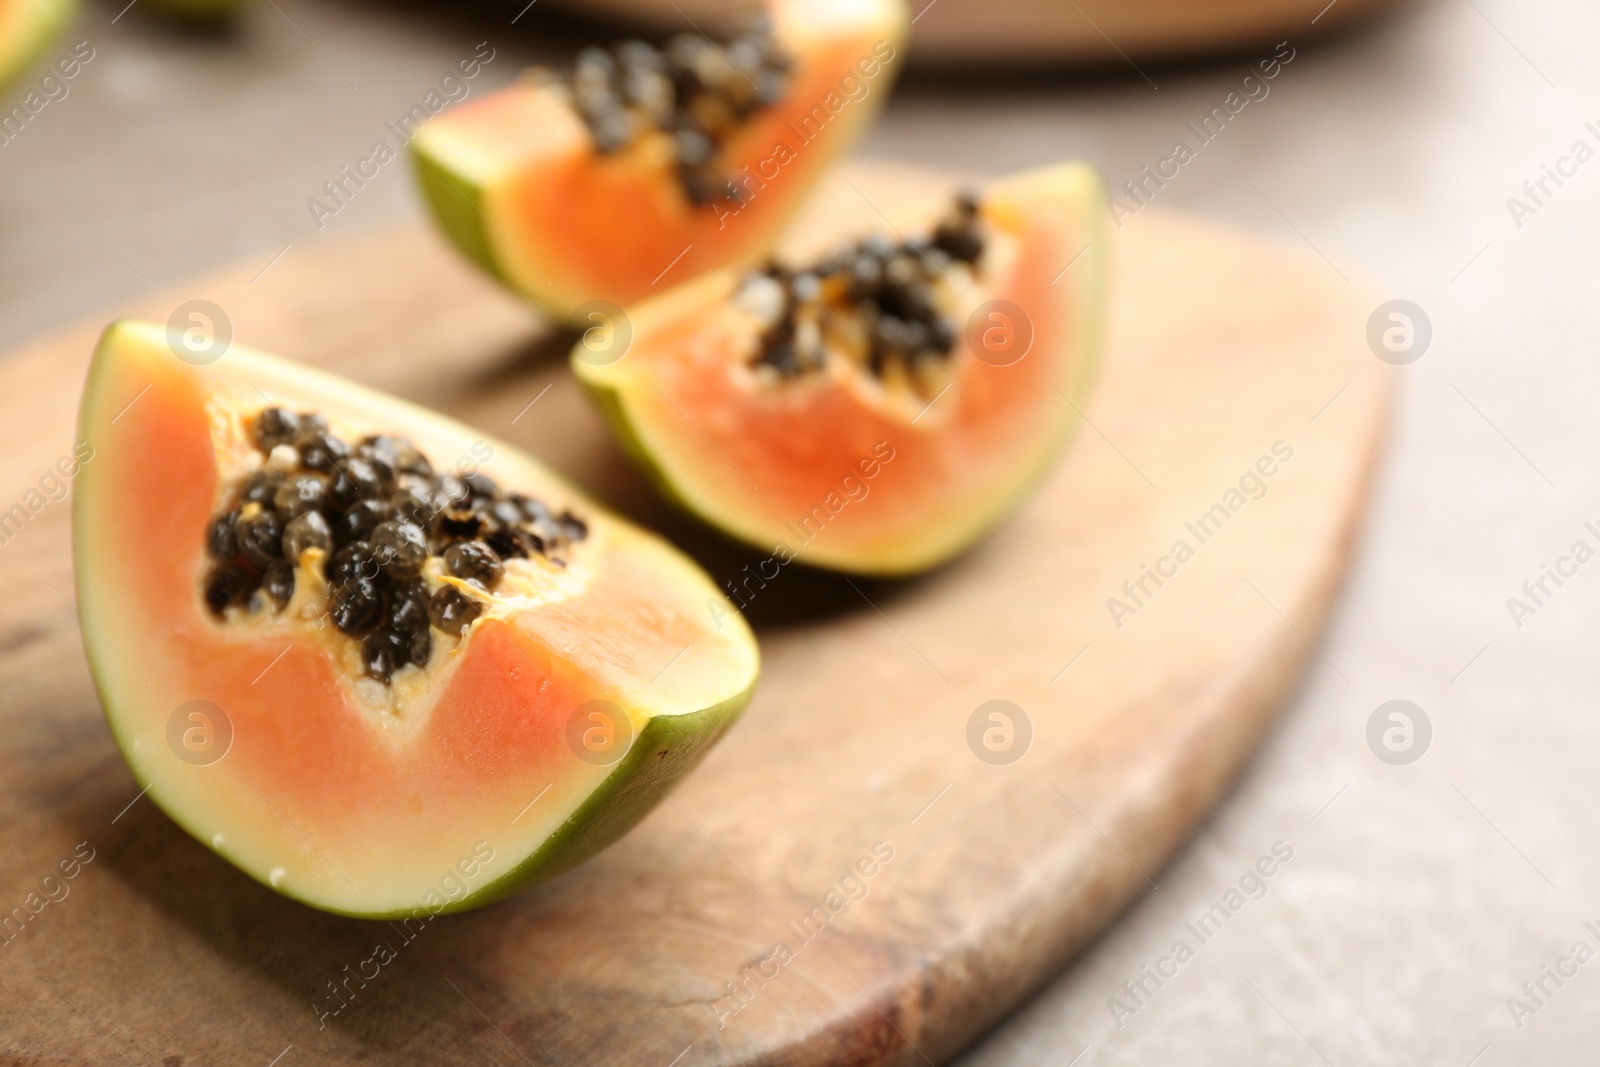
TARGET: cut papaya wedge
(877,411)
(382,664)
(26,27)
(647,167)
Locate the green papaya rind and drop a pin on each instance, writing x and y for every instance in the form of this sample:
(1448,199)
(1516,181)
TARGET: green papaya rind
(668,748)
(457,207)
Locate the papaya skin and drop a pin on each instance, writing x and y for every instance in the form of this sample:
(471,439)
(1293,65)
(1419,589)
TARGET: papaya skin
(666,751)
(457,205)
(589,809)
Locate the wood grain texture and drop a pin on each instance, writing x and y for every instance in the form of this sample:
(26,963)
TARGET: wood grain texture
(1089,33)
(1221,345)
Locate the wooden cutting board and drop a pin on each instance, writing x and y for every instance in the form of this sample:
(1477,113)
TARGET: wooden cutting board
(1085,33)
(986,868)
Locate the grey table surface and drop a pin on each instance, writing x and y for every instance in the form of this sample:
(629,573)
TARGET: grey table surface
(1420,897)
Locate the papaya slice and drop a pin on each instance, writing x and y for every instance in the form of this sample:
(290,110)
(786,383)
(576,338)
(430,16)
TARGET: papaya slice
(26,27)
(646,167)
(381,663)
(876,411)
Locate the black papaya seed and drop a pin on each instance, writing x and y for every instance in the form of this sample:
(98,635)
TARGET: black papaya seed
(509,542)
(306,532)
(451,488)
(505,512)
(574,528)
(408,606)
(962,243)
(420,647)
(260,537)
(222,541)
(276,426)
(228,584)
(383,653)
(299,494)
(278,583)
(409,458)
(261,487)
(358,521)
(358,479)
(546,531)
(400,548)
(358,606)
(379,451)
(351,562)
(481,485)
(320,450)
(534,510)
(413,498)
(474,561)
(452,611)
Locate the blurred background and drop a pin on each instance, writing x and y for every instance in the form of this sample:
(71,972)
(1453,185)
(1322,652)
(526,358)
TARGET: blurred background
(1421,896)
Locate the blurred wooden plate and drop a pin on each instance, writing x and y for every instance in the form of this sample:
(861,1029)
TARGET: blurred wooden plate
(1089,33)
(924,879)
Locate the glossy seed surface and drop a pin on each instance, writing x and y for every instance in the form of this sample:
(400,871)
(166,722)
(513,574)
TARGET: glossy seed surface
(386,526)
(881,302)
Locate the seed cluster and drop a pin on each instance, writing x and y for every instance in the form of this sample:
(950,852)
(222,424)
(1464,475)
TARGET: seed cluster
(377,513)
(875,300)
(695,91)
